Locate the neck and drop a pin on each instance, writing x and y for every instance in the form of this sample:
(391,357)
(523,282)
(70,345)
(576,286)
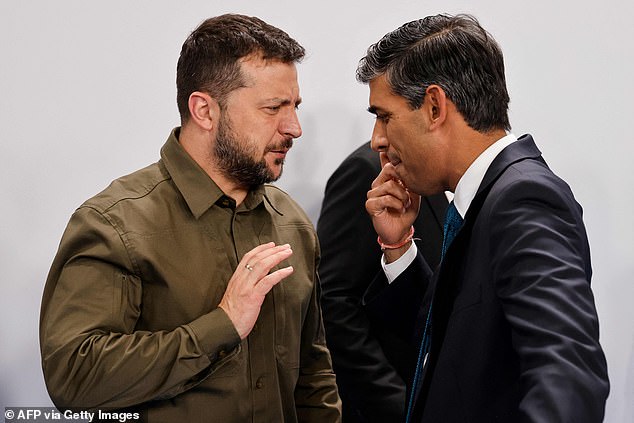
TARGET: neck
(199,145)
(227,185)
(469,145)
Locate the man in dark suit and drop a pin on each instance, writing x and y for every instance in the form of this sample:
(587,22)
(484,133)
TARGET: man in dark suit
(508,330)
(372,366)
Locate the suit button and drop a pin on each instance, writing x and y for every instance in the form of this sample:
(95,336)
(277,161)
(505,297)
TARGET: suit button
(259,384)
(222,354)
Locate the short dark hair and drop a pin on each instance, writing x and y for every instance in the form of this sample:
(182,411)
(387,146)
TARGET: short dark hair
(209,59)
(453,52)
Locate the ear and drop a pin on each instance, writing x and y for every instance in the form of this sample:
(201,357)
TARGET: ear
(436,105)
(204,110)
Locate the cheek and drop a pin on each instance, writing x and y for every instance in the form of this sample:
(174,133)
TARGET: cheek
(404,143)
(267,137)
(258,143)
(397,141)
(418,162)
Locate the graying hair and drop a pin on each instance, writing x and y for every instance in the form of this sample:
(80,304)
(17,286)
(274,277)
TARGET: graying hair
(453,52)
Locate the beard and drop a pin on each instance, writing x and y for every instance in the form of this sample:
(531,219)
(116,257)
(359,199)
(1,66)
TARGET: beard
(234,157)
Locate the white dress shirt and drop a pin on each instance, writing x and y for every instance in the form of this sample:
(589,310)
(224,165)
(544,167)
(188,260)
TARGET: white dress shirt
(465,192)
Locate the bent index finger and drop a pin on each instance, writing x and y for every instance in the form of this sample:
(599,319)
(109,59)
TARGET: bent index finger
(387,173)
(392,188)
(378,205)
(384,159)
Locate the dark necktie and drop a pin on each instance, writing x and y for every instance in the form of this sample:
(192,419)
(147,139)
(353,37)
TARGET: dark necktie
(453,222)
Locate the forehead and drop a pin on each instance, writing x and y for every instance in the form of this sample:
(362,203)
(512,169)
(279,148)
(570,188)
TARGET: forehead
(270,77)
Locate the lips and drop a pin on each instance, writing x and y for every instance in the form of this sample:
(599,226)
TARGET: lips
(281,148)
(280,153)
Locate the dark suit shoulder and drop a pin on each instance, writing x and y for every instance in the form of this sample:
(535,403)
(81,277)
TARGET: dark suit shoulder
(531,178)
(362,164)
(365,153)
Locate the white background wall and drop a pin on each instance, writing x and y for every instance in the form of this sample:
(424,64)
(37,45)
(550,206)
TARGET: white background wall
(87,94)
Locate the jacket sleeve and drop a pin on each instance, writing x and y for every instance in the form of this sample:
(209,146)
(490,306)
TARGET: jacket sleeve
(403,304)
(542,273)
(370,386)
(92,356)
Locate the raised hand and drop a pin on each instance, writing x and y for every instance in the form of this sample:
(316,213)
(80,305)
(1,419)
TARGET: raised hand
(251,282)
(392,207)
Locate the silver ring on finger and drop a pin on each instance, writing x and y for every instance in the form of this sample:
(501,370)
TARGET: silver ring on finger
(248,267)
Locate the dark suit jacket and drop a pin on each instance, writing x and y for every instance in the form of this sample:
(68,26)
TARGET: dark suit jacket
(515,334)
(370,362)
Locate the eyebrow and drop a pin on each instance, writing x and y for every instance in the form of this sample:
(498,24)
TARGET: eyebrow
(375,110)
(285,101)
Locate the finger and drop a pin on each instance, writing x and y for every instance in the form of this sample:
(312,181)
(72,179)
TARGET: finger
(252,259)
(253,252)
(266,252)
(414,199)
(261,263)
(265,263)
(384,159)
(378,205)
(387,173)
(392,188)
(265,284)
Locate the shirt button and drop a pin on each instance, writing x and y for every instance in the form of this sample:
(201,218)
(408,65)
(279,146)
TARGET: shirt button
(259,384)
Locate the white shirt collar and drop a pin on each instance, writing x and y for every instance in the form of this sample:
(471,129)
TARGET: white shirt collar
(470,181)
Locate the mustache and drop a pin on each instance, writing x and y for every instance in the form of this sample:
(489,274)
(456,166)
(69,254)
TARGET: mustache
(287,144)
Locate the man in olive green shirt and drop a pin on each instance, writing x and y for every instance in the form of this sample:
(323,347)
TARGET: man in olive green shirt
(186,291)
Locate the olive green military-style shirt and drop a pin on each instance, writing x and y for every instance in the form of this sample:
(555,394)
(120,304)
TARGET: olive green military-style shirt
(130,314)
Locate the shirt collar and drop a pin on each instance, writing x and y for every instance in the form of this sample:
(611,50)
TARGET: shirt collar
(470,181)
(197,188)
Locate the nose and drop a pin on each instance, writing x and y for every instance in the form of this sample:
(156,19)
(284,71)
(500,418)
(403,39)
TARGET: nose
(379,141)
(290,125)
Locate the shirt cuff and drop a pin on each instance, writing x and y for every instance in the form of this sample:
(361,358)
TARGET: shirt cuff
(215,333)
(392,270)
